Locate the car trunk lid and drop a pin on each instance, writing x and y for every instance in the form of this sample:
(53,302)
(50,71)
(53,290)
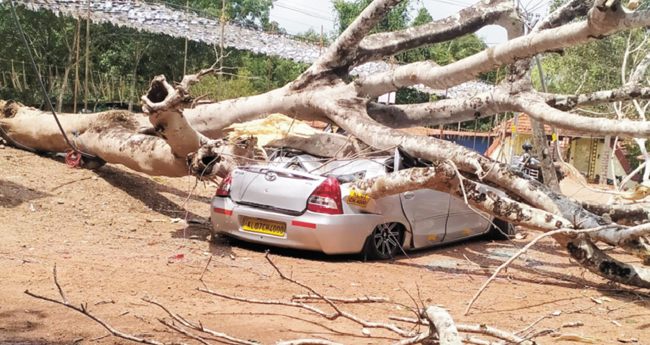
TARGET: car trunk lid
(276,188)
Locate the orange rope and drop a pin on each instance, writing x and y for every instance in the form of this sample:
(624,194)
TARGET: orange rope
(73,158)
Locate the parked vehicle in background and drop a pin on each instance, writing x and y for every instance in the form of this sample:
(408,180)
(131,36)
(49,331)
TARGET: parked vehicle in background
(531,166)
(305,202)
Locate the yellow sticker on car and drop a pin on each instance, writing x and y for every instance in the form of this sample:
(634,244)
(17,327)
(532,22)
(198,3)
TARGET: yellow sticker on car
(467,232)
(358,199)
(432,237)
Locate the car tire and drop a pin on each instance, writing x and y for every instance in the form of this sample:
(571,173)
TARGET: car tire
(384,242)
(501,230)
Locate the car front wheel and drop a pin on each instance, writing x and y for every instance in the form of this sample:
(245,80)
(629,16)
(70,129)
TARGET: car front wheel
(384,241)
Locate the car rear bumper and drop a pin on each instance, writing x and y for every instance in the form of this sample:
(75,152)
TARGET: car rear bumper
(331,234)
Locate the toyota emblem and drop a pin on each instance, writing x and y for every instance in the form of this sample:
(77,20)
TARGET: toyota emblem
(271,176)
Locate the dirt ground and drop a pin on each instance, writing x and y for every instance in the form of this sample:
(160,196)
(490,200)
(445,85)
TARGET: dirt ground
(117,236)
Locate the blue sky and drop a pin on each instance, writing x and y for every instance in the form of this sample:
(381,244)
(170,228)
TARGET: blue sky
(301,15)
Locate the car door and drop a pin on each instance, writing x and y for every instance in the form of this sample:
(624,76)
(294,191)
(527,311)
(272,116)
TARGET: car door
(426,211)
(463,222)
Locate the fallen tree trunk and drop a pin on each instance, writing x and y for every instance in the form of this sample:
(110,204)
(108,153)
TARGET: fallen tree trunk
(177,137)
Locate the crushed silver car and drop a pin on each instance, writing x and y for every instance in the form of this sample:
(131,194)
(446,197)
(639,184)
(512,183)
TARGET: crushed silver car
(306,202)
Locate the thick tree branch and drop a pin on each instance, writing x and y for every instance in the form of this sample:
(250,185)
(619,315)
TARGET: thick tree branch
(621,214)
(532,105)
(466,21)
(487,104)
(435,113)
(340,53)
(475,329)
(441,323)
(211,119)
(639,72)
(443,178)
(352,117)
(564,14)
(568,102)
(595,260)
(162,103)
(599,25)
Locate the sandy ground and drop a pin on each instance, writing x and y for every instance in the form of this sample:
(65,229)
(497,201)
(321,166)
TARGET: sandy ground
(112,235)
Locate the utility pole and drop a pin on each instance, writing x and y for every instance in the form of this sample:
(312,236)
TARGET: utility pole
(87,57)
(540,141)
(541,144)
(223,24)
(321,39)
(187,6)
(270,63)
(76,65)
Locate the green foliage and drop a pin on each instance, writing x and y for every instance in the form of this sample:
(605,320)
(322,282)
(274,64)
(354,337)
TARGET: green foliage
(597,66)
(347,12)
(633,152)
(571,71)
(228,88)
(410,96)
(594,66)
(313,37)
(442,53)
(112,58)
(252,13)
(50,36)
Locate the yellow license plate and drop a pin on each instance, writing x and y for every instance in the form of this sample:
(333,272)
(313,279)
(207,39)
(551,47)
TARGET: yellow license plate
(358,199)
(264,226)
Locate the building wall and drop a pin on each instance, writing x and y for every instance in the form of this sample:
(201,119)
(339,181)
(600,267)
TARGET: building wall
(480,145)
(576,159)
(518,142)
(602,167)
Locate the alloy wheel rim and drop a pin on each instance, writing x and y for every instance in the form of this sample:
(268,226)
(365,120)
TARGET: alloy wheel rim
(385,238)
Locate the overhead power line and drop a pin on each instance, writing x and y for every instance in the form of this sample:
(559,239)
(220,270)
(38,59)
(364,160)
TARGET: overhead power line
(305,12)
(455,3)
(297,22)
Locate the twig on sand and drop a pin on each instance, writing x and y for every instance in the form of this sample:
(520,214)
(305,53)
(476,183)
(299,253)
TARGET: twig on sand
(522,251)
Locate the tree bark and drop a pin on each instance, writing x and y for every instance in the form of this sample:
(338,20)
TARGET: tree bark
(177,137)
(441,323)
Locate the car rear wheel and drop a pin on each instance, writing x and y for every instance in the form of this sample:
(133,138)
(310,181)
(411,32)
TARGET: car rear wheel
(384,241)
(501,230)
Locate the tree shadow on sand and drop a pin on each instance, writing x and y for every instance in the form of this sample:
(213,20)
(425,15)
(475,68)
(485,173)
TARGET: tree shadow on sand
(16,325)
(150,192)
(13,194)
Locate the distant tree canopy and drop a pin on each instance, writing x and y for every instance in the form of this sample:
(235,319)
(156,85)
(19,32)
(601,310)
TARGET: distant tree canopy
(442,53)
(570,72)
(347,12)
(112,57)
(252,13)
(399,18)
(112,54)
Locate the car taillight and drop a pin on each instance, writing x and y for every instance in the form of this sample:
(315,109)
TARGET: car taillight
(224,187)
(326,198)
